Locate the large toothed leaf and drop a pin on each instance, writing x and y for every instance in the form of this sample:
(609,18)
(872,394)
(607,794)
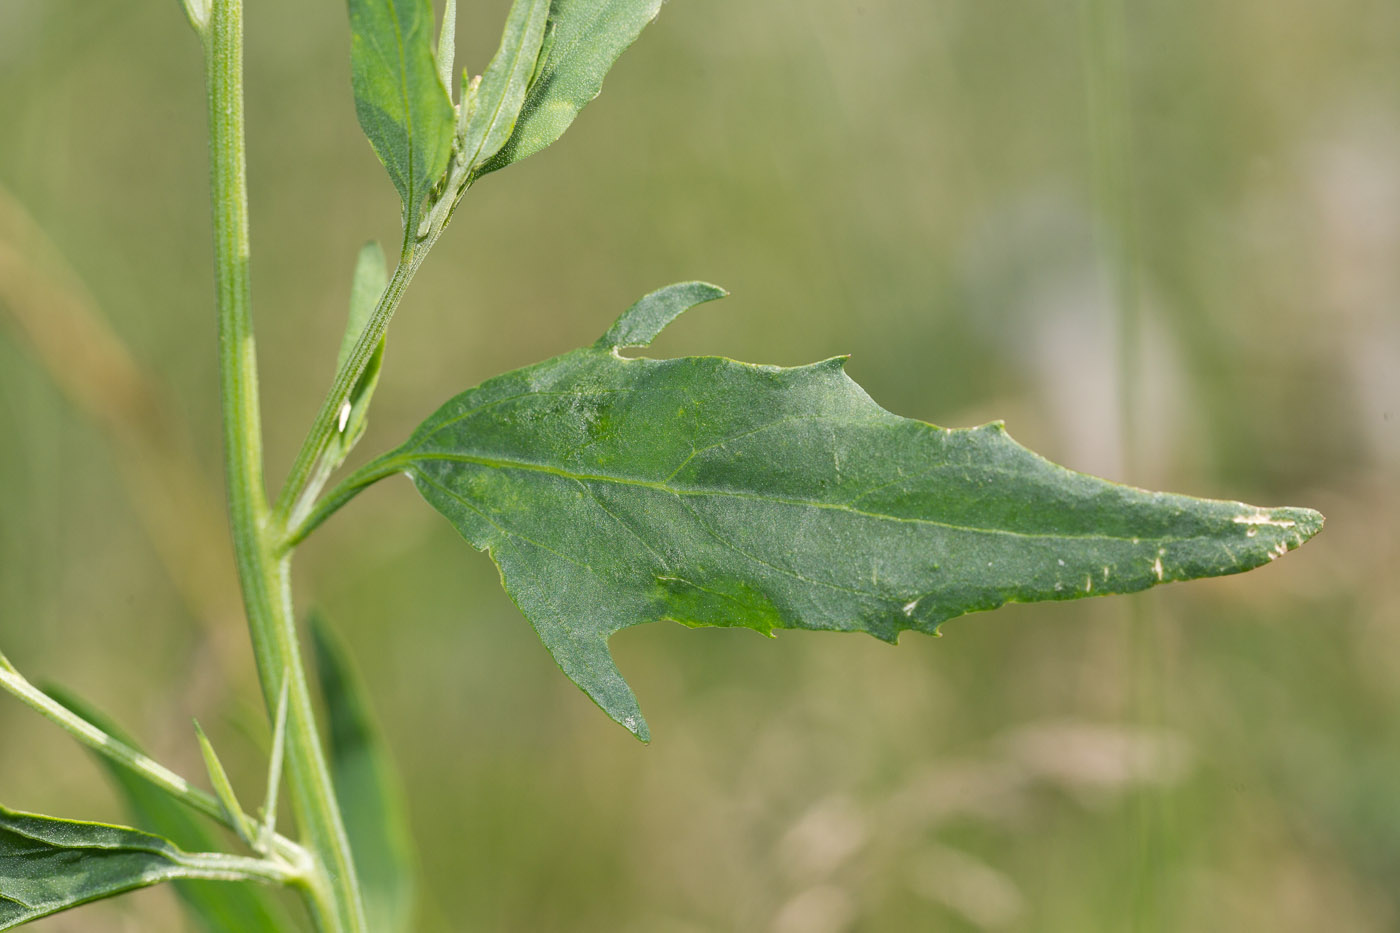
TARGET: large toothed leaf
(583,39)
(216,906)
(48,865)
(370,796)
(399,97)
(615,491)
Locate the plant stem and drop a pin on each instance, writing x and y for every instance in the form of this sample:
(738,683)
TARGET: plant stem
(264,577)
(348,488)
(323,428)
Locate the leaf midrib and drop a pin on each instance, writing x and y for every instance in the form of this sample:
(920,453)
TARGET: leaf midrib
(507,464)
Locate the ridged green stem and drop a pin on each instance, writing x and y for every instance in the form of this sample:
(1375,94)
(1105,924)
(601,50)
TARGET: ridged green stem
(263,575)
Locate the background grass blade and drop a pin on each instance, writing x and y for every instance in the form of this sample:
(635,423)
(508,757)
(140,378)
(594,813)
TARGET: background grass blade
(368,789)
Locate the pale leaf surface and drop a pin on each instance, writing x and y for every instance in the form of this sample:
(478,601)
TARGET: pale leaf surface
(583,40)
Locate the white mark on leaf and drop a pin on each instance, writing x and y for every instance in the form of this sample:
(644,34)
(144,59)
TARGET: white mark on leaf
(1263,518)
(344,417)
(1157,568)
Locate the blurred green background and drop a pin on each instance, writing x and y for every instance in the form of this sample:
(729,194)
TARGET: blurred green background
(1164,251)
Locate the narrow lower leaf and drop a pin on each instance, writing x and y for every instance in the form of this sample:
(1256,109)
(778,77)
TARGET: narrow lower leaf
(48,865)
(585,38)
(368,283)
(401,102)
(371,799)
(223,788)
(274,767)
(216,906)
(496,105)
(614,491)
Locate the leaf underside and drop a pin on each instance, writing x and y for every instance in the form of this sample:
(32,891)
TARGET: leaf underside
(400,100)
(497,103)
(614,491)
(217,906)
(583,40)
(48,865)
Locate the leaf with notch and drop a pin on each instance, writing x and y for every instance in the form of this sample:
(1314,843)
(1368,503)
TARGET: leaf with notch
(584,38)
(400,100)
(371,799)
(613,491)
(218,907)
(48,865)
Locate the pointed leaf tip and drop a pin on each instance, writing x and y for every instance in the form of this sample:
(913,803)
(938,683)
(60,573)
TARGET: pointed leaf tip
(639,324)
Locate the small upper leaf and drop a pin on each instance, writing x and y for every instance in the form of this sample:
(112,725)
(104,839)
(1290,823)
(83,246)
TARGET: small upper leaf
(218,907)
(491,117)
(639,324)
(585,38)
(48,865)
(371,275)
(615,491)
(400,100)
(370,798)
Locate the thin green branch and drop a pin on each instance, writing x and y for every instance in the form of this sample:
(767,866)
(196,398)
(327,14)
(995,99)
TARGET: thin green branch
(348,488)
(323,428)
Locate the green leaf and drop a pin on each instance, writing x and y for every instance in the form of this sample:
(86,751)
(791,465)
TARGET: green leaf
(223,788)
(491,118)
(614,491)
(585,38)
(274,767)
(371,800)
(48,865)
(639,324)
(401,102)
(217,907)
(447,43)
(198,13)
(368,283)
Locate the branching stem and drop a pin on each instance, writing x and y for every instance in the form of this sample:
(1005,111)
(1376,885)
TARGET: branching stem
(335,901)
(15,683)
